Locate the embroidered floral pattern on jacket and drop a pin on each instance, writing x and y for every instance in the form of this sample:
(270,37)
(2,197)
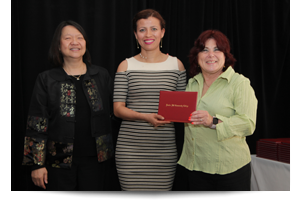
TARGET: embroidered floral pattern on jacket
(94,95)
(38,124)
(67,100)
(59,155)
(34,151)
(105,148)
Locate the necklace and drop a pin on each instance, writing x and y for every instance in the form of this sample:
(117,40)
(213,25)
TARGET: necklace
(206,84)
(143,56)
(77,77)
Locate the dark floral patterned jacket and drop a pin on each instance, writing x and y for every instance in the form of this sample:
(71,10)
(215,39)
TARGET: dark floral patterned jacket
(51,117)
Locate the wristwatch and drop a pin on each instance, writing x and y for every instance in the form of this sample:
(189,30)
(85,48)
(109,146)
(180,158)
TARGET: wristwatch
(215,122)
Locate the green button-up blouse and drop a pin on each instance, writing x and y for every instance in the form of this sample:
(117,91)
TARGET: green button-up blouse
(222,150)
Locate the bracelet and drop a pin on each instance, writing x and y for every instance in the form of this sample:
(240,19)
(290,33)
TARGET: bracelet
(213,126)
(214,123)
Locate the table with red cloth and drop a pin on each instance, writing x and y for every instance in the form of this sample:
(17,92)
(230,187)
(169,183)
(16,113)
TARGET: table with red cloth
(271,165)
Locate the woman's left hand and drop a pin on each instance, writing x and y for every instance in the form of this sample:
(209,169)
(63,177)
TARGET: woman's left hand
(201,117)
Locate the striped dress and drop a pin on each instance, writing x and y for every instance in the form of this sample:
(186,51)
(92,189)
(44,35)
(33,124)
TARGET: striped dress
(146,156)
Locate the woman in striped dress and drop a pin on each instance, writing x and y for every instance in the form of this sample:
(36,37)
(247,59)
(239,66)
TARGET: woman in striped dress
(146,152)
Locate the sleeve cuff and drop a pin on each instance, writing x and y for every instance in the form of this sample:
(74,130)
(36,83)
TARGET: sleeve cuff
(34,167)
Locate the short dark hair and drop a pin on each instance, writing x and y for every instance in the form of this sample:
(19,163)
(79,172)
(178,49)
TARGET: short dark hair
(222,44)
(145,14)
(55,57)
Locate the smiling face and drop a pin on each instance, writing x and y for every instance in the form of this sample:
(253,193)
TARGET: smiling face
(72,43)
(211,59)
(149,33)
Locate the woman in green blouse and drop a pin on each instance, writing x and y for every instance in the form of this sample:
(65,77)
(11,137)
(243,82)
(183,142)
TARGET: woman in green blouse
(215,151)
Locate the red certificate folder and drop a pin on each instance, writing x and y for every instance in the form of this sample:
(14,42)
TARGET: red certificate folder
(177,106)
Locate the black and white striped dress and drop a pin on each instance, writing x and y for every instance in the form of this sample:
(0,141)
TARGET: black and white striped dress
(146,156)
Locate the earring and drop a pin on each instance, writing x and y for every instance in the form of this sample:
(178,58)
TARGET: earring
(161,43)
(137,44)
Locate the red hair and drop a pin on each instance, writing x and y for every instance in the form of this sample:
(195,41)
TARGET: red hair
(222,44)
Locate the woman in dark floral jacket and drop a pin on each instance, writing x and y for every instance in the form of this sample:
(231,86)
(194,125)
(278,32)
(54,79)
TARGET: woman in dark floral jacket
(68,137)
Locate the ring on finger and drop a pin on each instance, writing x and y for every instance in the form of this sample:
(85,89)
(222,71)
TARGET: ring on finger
(201,120)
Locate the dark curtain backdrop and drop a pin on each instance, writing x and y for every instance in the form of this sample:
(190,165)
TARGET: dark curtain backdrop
(259,32)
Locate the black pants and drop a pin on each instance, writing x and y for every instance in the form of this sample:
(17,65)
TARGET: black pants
(86,174)
(235,181)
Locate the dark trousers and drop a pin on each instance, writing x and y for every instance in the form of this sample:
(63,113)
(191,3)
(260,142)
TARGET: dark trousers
(235,181)
(86,174)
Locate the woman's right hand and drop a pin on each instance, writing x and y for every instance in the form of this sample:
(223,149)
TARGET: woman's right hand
(155,119)
(40,177)
(121,111)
